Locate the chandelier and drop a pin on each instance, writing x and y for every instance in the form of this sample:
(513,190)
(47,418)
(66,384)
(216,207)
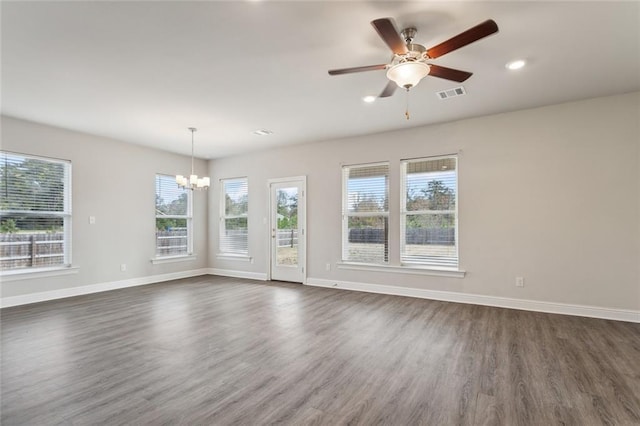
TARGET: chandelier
(193,181)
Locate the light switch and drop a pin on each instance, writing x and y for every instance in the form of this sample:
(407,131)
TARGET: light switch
(92,220)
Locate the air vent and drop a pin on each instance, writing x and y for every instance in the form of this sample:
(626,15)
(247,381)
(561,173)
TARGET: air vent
(451,93)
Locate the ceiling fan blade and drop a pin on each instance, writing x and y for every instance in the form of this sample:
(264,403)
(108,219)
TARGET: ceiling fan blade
(358,69)
(467,37)
(448,73)
(388,90)
(387,31)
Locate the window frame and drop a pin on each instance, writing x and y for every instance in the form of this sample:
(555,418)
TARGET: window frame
(346,214)
(224,217)
(66,215)
(404,213)
(188,217)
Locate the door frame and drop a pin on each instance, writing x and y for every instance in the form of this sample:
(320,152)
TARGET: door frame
(303,224)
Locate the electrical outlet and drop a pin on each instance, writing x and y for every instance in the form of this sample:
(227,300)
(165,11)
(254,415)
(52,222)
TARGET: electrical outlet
(92,220)
(328,267)
(123,267)
(519,281)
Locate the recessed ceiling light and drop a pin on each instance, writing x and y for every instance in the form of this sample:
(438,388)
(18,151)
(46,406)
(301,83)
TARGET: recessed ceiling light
(516,65)
(369,99)
(262,132)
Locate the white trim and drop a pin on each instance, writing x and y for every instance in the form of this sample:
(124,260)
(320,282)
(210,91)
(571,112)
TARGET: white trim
(25,299)
(412,270)
(66,215)
(222,213)
(403,201)
(173,259)
(345,173)
(238,274)
(238,257)
(188,217)
(478,299)
(302,224)
(68,220)
(286,179)
(28,274)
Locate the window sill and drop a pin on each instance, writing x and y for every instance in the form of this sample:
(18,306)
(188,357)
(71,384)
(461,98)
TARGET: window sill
(238,257)
(27,274)
(173,259)
(405,269)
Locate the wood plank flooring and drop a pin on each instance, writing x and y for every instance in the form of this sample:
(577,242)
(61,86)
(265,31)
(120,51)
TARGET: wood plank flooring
(214,350)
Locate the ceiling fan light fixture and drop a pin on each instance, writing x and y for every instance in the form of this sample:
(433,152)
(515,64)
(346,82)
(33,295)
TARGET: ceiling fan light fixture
(408,74)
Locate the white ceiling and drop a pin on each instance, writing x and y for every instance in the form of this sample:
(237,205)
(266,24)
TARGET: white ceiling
(143,72)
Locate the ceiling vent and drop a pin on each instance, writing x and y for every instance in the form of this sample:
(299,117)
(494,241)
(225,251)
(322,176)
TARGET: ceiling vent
(451,93)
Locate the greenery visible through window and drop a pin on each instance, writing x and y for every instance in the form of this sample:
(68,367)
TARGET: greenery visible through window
(173,218)
(429,215)
(365,213)
(234,208)
(35,212)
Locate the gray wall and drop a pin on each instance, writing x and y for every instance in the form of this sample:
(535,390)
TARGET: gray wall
(551,194)
(115,182)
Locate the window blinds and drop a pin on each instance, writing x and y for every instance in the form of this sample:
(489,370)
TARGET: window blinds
(33,184)
(429,213)
(173,218)
(366,213)
(35,211)
(234,231)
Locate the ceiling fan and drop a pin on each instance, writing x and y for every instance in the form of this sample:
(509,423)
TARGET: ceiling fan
(410,63)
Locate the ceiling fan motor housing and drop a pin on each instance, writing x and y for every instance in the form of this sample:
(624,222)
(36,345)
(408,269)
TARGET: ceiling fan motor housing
(416,52)
(408,34)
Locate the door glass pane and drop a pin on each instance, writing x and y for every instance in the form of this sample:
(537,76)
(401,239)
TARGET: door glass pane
(287,231)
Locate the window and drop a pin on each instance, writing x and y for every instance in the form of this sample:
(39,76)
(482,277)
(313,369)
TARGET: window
(234,206)
(174,227)
(429,217)
(365,213)
(35,212)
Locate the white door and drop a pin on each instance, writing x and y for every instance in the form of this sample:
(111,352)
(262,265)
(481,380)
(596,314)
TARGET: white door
(288,229)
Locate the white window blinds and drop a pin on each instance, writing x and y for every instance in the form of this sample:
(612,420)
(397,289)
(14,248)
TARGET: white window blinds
(173,218)
(234,208)
(429,212)
(365,213)
(35,210)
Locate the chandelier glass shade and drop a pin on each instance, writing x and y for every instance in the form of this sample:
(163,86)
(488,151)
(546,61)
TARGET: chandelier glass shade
(192,181)
(408,74)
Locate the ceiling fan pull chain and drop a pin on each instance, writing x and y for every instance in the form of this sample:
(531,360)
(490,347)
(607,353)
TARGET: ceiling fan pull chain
(406,113)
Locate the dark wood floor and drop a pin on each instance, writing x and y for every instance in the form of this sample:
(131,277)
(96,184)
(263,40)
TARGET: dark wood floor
(212,350)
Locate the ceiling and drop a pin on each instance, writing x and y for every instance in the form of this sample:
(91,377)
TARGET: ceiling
(143,72)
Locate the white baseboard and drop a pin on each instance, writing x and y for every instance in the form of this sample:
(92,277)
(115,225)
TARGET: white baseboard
(25,299)
(477,299)
(447,296)
(238,274)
